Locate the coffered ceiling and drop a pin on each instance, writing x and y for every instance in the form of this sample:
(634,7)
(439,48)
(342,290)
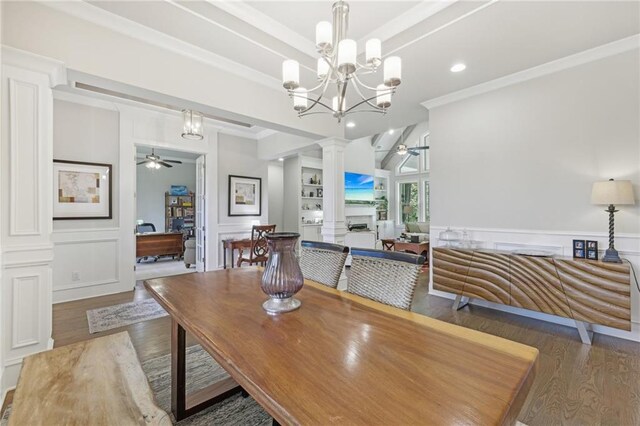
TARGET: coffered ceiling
(493,38)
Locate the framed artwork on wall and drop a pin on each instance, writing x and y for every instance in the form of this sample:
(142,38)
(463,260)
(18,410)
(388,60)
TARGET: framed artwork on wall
(81,190)
(245,196)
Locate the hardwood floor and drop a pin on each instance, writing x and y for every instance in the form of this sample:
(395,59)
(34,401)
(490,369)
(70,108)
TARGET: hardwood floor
(576,384)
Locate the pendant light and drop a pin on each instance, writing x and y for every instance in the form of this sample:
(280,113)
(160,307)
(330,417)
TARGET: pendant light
(192,125)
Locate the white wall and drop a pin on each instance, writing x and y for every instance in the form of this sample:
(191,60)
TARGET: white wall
(525,156)
(238,156)
(275,178)
(86,252)
(359,157)
(85,133)
(151,185)
(516,165)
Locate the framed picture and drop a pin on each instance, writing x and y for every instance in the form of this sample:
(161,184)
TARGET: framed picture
(245,196)
(592,250)
(579,249)
(319,192)
(81,190)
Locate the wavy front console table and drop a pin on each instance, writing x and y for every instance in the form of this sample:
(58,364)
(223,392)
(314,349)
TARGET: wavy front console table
(589,292)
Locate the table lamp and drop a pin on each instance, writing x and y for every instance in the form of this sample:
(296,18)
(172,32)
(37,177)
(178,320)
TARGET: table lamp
(612,192)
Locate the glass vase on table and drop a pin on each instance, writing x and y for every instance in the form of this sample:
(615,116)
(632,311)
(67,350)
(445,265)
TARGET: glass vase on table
(282,277)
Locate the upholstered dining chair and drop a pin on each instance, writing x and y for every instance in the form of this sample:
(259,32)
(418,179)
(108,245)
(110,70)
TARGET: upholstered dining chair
(258,252)
(387,277)
(322,262)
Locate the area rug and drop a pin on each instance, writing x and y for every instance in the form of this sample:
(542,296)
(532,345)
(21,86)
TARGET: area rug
(102,319)
(202,371)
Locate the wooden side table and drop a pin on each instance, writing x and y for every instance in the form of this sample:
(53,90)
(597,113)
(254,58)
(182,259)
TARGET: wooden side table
(421,248)
(232,246)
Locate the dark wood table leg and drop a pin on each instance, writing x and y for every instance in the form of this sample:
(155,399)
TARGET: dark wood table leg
(224,255)
(232,262)
(178,371)
(183,405)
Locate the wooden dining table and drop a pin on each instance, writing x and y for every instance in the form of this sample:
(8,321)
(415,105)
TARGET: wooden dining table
(340,358)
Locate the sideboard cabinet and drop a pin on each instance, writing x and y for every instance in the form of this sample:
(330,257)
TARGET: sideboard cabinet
(589,292)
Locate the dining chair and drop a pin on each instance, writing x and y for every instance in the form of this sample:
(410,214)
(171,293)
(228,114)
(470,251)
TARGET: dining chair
(387,277)
(322,262)
(258,252)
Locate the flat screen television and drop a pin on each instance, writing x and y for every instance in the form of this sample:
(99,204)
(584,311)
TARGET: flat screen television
(358,188)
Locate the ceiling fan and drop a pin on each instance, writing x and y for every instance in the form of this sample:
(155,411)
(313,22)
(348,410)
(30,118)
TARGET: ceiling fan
(153,161)
(403,149)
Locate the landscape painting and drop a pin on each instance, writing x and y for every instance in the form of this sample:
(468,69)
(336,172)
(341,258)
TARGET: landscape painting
(358,188)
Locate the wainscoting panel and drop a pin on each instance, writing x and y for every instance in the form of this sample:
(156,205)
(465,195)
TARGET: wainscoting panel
(86,258)
(26,162)
(559,243)
(24,150)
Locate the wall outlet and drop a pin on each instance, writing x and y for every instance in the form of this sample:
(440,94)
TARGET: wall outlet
(75,276)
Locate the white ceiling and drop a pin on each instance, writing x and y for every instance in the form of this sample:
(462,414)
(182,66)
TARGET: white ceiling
(494,39)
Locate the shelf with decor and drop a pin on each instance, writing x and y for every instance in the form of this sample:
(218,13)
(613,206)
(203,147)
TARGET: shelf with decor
(180,213)
(381,194)
(311,180)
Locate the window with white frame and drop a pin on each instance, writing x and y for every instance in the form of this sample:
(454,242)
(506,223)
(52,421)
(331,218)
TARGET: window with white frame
(412,189)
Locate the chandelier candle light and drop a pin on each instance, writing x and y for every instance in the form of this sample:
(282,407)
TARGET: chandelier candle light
(338,66)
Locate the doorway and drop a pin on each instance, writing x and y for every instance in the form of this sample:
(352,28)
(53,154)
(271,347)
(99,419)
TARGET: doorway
(169,206)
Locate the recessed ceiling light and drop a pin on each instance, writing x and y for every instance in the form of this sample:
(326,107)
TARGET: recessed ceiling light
(351,124)
(280,159)
(458,67)
(391,131)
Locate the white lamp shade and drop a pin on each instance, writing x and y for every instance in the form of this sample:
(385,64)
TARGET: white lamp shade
(323,34)
(616,192)
(290,74)
(300,99)
(347,52)
(392,71)
(383,96)
(323,68)
(373,50)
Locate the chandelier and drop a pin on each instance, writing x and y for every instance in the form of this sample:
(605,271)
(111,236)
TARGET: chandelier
(338,66)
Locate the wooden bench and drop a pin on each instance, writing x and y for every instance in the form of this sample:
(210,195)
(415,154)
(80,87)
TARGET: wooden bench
(95,382)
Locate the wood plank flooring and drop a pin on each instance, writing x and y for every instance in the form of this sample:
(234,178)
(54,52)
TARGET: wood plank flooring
(576,384)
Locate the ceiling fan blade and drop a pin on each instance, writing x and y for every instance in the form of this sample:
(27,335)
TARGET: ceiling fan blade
(419,147)
(412,152)
(164,164)
(142,162)
(172,161)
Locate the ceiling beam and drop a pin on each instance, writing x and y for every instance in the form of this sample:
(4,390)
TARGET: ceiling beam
(375,139)
(387,158)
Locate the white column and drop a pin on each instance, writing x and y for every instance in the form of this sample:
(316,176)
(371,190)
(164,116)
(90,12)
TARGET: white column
(334,227)
(26,164)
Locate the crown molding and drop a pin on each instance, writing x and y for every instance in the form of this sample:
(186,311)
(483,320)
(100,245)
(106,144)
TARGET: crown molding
(267,25)
(403,22)
(590,55)
(55,69)
(264,133)
(116,23)
(235,33)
